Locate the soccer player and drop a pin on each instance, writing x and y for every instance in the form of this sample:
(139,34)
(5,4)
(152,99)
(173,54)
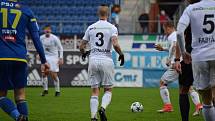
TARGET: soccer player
(171,74)
(54,55)
(201,17)
(101,36)
(14,20)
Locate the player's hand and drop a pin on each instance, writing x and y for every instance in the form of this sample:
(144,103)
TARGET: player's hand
(84,55)
(121,59)
(38,57)
(60,62)
(159,47)
(45,68)
(178,67)
(187,58)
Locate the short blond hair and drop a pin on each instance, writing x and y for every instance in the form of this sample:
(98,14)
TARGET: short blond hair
(103,11)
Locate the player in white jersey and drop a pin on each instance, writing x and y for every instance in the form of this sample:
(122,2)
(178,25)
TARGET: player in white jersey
(201,16)
(54,54)
(101,36)
(171,74)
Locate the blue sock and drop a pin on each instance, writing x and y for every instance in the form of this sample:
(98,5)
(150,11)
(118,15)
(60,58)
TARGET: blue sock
(8,106)
(22,107)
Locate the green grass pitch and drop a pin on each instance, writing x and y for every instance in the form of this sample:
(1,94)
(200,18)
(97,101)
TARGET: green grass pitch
(73,105)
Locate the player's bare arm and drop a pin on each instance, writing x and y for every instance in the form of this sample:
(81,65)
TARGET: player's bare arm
(177,58)
(160,48)
(118,50)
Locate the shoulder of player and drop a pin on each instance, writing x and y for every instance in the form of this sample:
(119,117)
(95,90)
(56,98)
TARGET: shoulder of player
(26,10)
(91,27)
(173,36)
(55,37)
(42,36)
(191,6)
(113,27)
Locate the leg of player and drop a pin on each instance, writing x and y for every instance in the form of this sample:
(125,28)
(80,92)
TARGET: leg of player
(21,103)
(184,102)
(195,98)
(164,92)
(94,103)
(56,83)
(8,106)
(45,84)
(213,92)
(106,100)
(208,109)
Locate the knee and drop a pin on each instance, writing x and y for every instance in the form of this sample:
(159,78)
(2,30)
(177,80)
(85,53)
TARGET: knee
(95,92)
(163,84)
(54,75)
(19,94)
(206,96)
(108,90)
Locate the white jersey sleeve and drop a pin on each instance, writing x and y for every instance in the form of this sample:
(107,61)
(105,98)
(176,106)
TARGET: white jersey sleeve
(185,18)
(60,47)
(86,35)
(114,32)
(172,43)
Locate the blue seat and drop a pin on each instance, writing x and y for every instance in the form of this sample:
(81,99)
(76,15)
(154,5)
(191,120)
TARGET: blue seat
(75,15)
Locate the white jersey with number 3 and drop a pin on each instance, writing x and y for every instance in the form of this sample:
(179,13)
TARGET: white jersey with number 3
(201,15)
(99,37)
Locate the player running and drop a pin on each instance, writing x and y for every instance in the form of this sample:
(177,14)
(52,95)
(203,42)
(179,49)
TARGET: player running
(171,74)
(101,36)
(14,20)
(201,17)
(54,55)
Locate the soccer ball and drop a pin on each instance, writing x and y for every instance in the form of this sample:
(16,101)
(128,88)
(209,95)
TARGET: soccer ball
(136,107)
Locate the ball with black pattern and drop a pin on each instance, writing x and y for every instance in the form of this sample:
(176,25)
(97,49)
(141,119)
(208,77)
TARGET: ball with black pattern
(136,107)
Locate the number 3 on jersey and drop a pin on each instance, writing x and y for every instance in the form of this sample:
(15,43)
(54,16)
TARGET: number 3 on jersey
(5,13)
(100,35)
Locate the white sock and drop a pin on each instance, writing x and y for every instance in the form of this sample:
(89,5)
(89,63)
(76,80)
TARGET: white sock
(106,99)
(164,92)
(195,97)
(208,112)
(57,85)
(45,83)
(94,103)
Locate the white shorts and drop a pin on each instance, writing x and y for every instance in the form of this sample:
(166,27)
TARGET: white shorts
(53,62)
(204,74)
(101,72)
(169,76)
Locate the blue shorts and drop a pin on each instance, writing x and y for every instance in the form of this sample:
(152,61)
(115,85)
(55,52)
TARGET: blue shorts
(13,75)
